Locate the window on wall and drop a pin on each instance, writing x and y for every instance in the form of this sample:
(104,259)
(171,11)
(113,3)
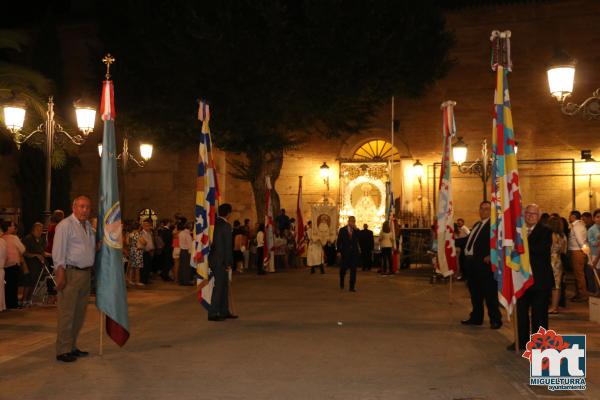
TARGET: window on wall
(376,150)
(148,213)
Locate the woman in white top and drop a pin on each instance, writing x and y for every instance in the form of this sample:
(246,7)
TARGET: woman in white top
(260,244)
(387,242)
(314,256)
(14,257)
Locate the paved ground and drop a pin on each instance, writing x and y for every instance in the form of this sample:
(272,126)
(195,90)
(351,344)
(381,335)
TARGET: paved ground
(298,337)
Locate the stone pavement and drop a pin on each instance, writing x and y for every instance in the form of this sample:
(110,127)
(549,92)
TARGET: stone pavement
(299,337)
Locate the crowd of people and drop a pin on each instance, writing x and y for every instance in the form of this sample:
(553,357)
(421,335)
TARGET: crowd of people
(164,251)
(555,245)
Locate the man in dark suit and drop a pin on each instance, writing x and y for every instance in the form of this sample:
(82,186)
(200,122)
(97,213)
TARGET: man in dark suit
(166,255)
(220,261)
(535,298)
(366,241)
(481,283)
(348,246)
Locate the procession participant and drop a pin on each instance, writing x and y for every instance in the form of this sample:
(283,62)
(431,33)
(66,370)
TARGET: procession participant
(314,254)
(536,297)
(348,247)
(367,244)
(73,253)
(220,262)
(480,278)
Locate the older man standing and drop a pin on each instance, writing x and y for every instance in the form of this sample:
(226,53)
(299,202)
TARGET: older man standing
(536,297)
(73,253)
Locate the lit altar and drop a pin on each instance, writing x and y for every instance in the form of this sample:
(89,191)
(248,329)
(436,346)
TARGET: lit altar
(363,193)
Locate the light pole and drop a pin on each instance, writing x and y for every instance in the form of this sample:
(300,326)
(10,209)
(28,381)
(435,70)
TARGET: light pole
(145,153)
(419,172)
(14,117)
(561,76)
(480,167)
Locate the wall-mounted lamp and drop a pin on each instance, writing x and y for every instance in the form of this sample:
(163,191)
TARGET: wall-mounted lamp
(324,171)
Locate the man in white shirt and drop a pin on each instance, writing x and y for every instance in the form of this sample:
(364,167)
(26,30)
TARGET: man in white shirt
(463,231)
(576,246)
(73,252)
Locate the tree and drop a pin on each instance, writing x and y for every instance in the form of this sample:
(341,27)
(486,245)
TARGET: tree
(274,71)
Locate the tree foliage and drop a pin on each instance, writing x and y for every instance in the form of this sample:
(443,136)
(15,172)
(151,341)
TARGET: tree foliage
(275,72)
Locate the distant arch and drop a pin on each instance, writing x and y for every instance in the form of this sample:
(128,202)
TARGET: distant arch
(376,150)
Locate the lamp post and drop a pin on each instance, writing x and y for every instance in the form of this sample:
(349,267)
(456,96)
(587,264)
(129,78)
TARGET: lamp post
(14,117)
(145,153)
(419,172)
(325,172)
(480,167)
(561,75)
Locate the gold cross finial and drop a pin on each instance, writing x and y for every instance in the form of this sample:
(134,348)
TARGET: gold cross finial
(108,60)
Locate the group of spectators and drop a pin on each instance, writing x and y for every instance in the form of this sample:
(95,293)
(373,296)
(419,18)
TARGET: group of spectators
(22,261)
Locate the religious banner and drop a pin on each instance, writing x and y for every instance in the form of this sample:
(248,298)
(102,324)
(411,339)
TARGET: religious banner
(324,217)
(509,251)
(445,207)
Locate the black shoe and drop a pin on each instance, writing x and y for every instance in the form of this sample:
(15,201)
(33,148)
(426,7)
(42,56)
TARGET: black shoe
(79,353)
(352,290)
(495,325)
(232,316)
(66,357)
(470,322)
(216,318)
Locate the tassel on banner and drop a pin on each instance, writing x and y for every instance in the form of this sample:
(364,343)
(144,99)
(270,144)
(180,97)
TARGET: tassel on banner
(501,50)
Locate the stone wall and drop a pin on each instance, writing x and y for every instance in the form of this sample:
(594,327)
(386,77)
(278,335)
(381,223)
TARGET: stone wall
(167,184)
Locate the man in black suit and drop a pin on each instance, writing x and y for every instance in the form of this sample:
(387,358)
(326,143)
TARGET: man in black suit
(166,256)
(481,283)
(348,246)
(366,241)
(220,261)
(535,298)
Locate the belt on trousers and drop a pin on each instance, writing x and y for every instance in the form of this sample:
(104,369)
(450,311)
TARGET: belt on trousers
(76,267)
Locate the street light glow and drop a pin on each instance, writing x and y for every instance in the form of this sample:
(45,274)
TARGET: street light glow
(560,81)
(146,151)
(86,118)
(14,117)
(459,151)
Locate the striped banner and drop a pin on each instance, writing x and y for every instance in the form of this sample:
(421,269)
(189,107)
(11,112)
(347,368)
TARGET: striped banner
(445,207)
(207,197)
(509,251)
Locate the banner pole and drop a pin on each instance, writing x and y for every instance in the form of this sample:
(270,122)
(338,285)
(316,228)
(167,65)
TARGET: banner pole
(230,294)
(516,331)
(450,290)
(101,349)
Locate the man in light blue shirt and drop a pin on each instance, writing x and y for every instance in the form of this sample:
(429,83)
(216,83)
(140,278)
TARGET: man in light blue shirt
(73,253)
(593,236)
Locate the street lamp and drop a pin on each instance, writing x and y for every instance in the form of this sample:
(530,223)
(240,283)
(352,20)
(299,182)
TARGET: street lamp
(419,173)
(125,155)
(14,118)
(589,167)
(561,75)
(324,171)
(480,167)
(418,170)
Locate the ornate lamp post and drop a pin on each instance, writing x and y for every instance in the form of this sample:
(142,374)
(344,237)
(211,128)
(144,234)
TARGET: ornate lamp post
(325,172)
(561,75)
(480,167)
(14,117)
(145,152)
(419,173)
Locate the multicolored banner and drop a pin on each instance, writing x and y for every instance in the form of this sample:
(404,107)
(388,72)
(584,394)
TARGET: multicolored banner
(207,197)
(268,254)
(111,293)
(508,243)
(299,220)
(445,207)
